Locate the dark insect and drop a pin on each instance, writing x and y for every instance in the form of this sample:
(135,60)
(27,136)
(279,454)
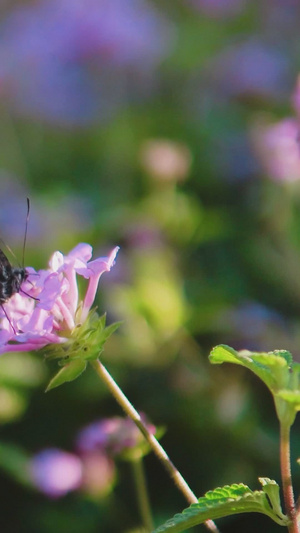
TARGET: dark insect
(11,278)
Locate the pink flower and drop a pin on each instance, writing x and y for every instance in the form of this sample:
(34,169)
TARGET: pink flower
(47,310)
(277,147)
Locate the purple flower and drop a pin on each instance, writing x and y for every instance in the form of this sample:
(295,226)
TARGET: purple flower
(251,68)
(68,60)
(112,435)
(55,472)
(47,310)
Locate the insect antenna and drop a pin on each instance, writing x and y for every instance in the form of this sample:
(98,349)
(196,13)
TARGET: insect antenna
(24,245)
(25,234)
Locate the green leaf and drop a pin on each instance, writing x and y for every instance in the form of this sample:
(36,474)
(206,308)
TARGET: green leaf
(273,368)
(224,354)
(229,500)
(292,397)
(68,373)
(276,369)
(15,461)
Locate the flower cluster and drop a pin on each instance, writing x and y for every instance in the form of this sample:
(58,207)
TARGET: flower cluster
(116,436)
(91,467)
(47,310)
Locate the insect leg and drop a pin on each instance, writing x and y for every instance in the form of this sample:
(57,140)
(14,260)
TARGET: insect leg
(10,323)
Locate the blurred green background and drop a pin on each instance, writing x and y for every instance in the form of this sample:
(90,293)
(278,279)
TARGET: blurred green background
(170,129)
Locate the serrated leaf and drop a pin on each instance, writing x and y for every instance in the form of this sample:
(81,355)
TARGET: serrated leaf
(224,354)
(225,501)
(271,488)
(273,368)
(68,373)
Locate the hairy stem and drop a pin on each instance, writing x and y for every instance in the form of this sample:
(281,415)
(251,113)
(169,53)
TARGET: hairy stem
(142,493)
(160,453)
(285,464)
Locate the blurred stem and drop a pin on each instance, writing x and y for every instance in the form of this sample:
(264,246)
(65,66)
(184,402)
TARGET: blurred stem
(285,464)
(142,493)
(160,453)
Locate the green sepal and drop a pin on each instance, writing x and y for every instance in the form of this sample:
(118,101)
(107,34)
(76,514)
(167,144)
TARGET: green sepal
(276,369)
(69,372)
(85,343)
(229,500)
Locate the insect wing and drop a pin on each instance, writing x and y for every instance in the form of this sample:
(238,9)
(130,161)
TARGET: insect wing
(5,267)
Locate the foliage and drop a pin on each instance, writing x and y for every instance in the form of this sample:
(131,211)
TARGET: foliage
(229,500)
(210,247)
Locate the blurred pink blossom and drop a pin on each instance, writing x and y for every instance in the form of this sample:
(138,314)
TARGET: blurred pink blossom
(166,160)
(99,473)
(30,324)
(277,147)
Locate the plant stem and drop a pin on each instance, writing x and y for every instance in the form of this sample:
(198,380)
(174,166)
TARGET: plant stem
(142,493)
(153,442)
(286,476)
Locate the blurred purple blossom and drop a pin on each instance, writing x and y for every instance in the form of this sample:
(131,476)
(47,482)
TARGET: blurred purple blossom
(281,19)
(253,318)
(235,162)
(55,472)
(143,234)
(65,60)
(251,68)
(253,325)
(112,435)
